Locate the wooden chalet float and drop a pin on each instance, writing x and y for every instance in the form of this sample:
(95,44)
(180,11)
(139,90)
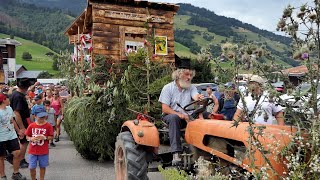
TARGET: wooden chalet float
(111,27)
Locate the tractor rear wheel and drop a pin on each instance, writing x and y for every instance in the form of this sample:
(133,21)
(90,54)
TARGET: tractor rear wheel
(130,159)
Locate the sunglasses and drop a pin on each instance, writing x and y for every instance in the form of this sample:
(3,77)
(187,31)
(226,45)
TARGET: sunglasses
(55,94)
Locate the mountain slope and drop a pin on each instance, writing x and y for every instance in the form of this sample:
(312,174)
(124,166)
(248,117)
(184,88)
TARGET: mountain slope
(74,7)
(42,25)
(39,60)
(204,27)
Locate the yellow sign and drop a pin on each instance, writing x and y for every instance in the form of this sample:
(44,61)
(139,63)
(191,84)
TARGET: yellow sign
(161,45)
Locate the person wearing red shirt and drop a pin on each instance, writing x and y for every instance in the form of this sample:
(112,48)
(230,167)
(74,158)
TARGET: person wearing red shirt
(39,133)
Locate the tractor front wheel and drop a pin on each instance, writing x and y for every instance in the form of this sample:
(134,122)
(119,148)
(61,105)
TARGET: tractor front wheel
(130,159)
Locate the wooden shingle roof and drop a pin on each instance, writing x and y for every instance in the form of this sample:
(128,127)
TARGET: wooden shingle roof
(297,71)
(141,3)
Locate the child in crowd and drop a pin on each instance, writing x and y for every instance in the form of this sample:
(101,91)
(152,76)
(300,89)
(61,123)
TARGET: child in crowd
(39,133)
(38,102)
(50,118)
(9,140)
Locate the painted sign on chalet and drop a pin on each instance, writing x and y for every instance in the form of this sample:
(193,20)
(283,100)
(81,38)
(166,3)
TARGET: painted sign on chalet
(115,26)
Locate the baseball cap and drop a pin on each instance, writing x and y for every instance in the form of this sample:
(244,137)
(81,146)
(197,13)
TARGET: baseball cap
(36,98)
(2,97)
(40,111)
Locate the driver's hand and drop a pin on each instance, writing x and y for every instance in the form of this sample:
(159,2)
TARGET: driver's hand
(181,116)
(200,97)
(186,117)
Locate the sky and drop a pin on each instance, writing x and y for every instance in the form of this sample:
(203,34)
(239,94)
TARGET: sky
(263,14)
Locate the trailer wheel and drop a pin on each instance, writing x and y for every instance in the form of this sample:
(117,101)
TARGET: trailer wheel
(130,159)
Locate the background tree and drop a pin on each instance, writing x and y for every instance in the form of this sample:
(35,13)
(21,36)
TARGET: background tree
(203,67)
(49,54)
(26,56)
(55,64)
(67,69)
(143,80)
(45,75)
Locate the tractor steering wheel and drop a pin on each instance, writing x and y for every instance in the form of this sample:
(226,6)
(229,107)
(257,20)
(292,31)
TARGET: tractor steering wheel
(201,106)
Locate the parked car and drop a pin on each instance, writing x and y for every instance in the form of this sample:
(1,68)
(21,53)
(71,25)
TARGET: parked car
(202,87)
(299,98)
(278,86)
(242,86)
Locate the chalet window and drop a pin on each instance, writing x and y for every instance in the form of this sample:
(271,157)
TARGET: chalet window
(133,45)
(4,55)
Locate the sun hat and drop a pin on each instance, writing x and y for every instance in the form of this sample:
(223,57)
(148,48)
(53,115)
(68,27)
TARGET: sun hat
(258,79)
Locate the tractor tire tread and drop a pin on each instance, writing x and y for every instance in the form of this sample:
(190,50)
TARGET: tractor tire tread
(137,166)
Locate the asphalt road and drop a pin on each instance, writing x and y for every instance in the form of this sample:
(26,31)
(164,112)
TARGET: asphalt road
(67,164)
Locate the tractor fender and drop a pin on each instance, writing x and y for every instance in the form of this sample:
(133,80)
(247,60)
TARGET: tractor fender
(143,132)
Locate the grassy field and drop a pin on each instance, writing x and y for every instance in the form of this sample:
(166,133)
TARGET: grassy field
(183,51)
(273,44)
(181,21)
(39,62)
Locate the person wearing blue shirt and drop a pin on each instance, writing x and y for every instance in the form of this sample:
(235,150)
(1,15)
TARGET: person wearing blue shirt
(227,101)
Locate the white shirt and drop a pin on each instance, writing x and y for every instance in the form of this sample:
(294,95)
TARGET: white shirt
(266,110)
(7,131)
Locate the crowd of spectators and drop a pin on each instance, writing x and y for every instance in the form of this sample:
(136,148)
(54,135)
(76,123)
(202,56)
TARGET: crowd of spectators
(22,103)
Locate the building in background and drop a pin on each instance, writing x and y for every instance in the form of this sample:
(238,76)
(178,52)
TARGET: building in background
(22,72)
(8,60)
(9,70)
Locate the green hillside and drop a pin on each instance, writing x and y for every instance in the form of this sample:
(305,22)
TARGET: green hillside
(44,26)
(196,28)
(39,61)
(181,23)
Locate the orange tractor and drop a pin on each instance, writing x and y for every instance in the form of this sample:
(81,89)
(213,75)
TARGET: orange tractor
(140,143)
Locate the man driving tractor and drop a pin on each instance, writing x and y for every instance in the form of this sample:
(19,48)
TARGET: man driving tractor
(175,95)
